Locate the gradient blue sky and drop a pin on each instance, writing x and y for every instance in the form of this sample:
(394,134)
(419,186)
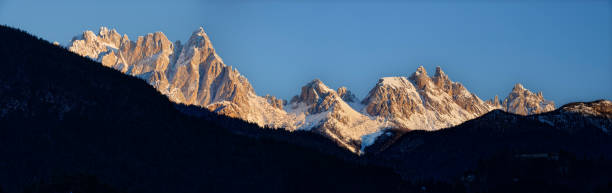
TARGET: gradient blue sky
(562,48)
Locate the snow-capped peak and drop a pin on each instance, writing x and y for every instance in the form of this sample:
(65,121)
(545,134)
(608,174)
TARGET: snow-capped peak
(419,104)
(319,86)
(321,109)
(420,78)
(193,73)
(314,93)
(395,82)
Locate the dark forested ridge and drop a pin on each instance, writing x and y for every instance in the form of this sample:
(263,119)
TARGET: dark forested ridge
(68,124)
(498,148)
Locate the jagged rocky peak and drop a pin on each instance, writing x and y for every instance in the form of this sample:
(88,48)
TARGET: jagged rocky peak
(110,36)
(91,45)
(420,78)
(439,72)
(346,95)
(423,102)
(441,80)
(439,76)
(321,109)
(312,92)
(459,94)
(190,73)
(523,102)
(200,39)
(116,51)
(275,102)
(495,102)
(316,96)
(393,96)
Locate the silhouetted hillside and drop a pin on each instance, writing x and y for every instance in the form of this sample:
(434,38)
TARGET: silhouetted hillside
(62,115)
(502,138)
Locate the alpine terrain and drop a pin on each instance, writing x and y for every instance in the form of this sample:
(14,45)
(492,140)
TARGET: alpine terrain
(193,73)
(70,124)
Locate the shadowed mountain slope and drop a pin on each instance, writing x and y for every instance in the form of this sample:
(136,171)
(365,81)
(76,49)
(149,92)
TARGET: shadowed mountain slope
(580,129)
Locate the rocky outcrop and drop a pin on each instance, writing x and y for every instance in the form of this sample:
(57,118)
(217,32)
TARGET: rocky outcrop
(275,102)
(523,102)
(495,102)
(346,95)
(393,98)
(192,73)
(323,110)
(421,102)
(461,96)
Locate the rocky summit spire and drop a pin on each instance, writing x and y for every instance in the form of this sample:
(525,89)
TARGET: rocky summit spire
(518,87)
(323,110)
(523,102)
(420,71)
(312,92)
(200,38)
(495,102)
(420,78)
(441,80)
(439,72)
(346,95)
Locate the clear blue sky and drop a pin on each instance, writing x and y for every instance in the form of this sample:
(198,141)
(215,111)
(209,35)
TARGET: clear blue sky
(562,48)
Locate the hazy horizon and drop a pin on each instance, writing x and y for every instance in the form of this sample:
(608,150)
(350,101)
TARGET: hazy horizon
(560,48)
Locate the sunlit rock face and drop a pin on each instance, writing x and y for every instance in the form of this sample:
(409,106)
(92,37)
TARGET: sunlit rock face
(321,109)
(421,102)
(193,73)
(190,73)
(523,102)
(346,95)
(495,102)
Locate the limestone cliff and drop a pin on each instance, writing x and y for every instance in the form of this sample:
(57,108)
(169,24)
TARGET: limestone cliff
(192,73)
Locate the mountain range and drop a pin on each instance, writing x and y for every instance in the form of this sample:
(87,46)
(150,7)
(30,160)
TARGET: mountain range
(69,124)
(194,74)
(63,116)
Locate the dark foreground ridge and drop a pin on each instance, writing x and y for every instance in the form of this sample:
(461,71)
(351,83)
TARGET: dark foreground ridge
(566,150)
(69,124)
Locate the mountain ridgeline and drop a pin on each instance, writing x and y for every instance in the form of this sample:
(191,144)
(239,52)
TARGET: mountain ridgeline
(193,73)
(63,116)
(70,124)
